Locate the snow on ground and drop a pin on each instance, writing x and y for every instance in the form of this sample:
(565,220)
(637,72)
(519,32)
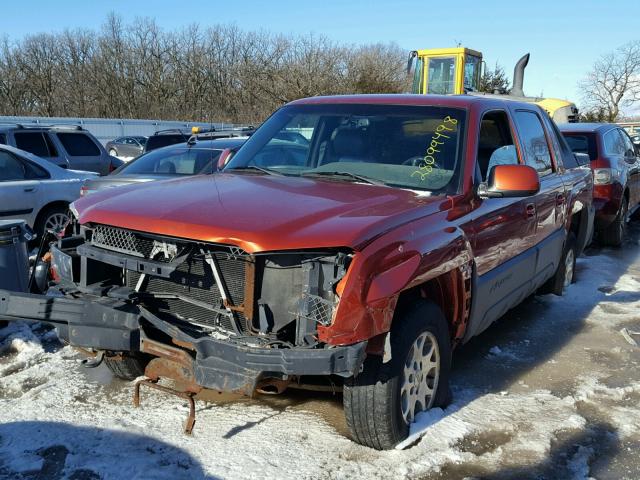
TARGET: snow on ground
(550,391)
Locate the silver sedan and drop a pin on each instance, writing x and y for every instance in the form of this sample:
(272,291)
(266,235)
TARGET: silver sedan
(37,190)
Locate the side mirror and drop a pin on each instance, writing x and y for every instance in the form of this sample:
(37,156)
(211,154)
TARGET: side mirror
(413,54)
(224,158)
(510,181)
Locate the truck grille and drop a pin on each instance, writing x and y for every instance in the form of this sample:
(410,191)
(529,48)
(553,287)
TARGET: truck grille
(124,241)
(194,279)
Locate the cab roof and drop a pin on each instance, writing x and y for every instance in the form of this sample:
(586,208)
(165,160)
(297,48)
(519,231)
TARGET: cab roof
(459,101)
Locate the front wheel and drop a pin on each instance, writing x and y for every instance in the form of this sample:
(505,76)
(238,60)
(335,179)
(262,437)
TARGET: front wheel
(127,365)
(383,400)
(113,152)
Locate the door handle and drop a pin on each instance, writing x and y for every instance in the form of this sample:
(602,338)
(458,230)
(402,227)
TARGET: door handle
(560,199)
(29,189)
(531,210)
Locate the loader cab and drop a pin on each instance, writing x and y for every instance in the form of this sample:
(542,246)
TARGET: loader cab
(446,71)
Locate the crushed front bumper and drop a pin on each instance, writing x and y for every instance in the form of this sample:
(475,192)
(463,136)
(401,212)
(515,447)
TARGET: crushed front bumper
(112,324)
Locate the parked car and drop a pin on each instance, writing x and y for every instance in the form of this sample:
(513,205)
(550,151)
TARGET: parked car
(411,224)
(68,146)
(127,147)
(36,190)
(196,157)
(616,173)
(164,138)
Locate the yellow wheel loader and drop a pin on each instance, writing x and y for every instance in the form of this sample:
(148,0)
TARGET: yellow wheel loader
(456,71)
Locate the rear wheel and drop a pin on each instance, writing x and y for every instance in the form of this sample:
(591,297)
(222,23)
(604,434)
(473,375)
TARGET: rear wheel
(113,152)
(127,366)
(383,400)
(613,235)
(565,273)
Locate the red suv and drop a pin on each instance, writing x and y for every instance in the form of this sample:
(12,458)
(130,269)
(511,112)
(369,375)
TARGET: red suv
(616,174)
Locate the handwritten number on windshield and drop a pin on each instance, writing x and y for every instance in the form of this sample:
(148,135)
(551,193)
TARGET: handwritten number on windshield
(425,167)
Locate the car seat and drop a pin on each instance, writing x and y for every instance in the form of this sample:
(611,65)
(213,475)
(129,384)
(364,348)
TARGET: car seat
(348,145)
(166,167)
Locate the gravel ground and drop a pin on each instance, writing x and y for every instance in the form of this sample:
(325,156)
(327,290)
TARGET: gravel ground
(549,391)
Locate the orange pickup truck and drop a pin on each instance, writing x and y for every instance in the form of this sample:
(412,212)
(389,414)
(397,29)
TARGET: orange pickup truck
(400,227)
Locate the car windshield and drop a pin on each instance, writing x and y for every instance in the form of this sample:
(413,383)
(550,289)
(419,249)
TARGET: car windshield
(140,140)
(172,161)
(416,147)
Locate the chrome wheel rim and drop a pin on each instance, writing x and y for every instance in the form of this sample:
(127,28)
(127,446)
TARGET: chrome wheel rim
(113,153)
(420,376)
(56,222)
(568,269)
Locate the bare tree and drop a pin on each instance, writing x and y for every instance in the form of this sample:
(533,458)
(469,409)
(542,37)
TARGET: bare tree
(613,82)
(221,74)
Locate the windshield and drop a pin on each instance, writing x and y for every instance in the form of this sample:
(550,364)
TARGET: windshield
(442,75)
(416,147)
(172,161)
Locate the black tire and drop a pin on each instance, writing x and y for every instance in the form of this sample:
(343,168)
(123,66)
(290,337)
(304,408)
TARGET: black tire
(3,323)
(46,215)
(372,400)
(558,283)
(127,366)
(113,152)
(613,235)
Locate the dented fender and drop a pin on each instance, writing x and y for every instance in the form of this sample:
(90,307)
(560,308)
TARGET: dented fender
(395,262)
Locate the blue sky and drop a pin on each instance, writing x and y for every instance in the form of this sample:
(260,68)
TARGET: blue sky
(563,37)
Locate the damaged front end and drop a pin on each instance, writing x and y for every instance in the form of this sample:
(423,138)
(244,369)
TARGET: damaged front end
(209,316)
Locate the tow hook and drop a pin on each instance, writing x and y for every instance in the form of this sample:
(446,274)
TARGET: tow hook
(191,419)
(93,362)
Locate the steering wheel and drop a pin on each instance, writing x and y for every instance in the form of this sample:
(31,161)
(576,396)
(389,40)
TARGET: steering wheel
(418,161)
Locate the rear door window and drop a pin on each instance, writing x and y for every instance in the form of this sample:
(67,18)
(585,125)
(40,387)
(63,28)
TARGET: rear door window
(534,142)
(78,145)
(33,142)
(563,153)
(11,168)
(614,143)
(629,150)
